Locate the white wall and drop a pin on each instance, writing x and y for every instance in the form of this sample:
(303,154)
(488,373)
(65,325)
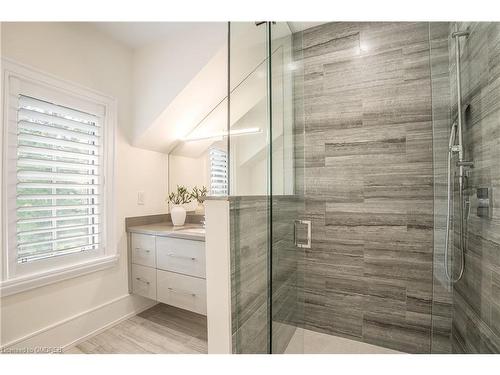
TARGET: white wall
(81,54)
(163,69)
(189,172)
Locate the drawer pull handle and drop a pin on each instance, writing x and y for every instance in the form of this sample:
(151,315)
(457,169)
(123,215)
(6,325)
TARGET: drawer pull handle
(181,256)
(142,281)
(182,292)
(145,250)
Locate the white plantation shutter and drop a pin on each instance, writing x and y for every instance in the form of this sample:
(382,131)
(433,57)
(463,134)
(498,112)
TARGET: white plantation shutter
(59,180)
(218,172)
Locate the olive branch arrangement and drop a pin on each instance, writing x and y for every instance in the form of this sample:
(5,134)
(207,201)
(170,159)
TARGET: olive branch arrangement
(183,196)
(200,194)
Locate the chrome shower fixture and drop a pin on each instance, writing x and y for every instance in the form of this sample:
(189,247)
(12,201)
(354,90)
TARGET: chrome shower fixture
(458,148)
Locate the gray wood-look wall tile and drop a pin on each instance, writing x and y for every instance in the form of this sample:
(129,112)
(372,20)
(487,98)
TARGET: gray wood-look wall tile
(368,182)
(475,318)
(249,267)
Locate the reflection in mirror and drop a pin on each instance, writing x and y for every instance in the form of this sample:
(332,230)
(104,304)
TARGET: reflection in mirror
(249,154)
(201,157)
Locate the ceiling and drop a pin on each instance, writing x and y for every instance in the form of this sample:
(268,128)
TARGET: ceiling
(139,34)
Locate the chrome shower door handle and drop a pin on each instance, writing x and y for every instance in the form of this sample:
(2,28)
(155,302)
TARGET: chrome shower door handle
(306,245)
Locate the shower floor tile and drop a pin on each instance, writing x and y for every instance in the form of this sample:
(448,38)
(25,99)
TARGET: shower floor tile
(309,342)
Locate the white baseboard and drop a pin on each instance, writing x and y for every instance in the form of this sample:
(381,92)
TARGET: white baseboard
(69,332)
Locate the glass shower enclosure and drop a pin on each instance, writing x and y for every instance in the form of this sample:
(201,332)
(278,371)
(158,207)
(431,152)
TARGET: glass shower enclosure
(364,187)
(265,144)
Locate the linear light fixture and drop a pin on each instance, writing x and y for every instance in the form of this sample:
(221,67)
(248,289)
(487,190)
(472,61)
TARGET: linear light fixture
(223,134)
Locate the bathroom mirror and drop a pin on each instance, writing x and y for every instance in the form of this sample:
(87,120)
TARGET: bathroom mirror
(201,157)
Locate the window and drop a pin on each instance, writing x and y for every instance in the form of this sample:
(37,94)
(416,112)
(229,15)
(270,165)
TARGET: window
(59,152)
(58,181)
(218,172)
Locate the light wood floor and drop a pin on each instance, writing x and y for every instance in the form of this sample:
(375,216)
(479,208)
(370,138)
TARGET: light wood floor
(161,329)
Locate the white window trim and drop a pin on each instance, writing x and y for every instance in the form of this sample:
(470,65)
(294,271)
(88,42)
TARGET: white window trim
(11,283)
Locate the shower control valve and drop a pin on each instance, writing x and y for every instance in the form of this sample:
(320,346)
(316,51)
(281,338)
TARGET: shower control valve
(484,202)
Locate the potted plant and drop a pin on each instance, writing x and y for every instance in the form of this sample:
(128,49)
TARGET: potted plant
(199,194)
(177,199)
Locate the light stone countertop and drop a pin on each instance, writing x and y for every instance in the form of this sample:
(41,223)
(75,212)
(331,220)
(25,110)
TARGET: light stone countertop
(194,232)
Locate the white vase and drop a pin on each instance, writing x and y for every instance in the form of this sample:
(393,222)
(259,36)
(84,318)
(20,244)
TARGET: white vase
(178,215)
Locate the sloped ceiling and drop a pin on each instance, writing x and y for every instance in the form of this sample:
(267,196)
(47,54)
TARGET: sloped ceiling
(167,56)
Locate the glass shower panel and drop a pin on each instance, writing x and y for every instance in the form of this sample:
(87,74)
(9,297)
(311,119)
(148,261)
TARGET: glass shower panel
(249,161)
(287,187)
(249,124)
(466,312)
(266,187)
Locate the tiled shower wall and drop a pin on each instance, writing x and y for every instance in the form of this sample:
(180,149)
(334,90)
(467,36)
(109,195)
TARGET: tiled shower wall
(287,280)
(368,182)
(476,297)
(249,232)
(249,225)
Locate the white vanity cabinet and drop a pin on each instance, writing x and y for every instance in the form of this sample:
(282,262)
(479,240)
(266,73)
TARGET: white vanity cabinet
(182,291)
(143,250)
(181,256)
(169,270)
(144,281)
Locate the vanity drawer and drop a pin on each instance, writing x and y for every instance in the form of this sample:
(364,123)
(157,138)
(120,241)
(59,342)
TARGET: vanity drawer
(143,250)
(144,281)
(182,291)
(181,256)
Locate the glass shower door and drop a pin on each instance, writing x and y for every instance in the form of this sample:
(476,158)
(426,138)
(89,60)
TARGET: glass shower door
(265,187)
(287,185)
(249,186)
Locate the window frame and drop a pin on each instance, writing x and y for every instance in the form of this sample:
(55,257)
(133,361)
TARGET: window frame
(17,277)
